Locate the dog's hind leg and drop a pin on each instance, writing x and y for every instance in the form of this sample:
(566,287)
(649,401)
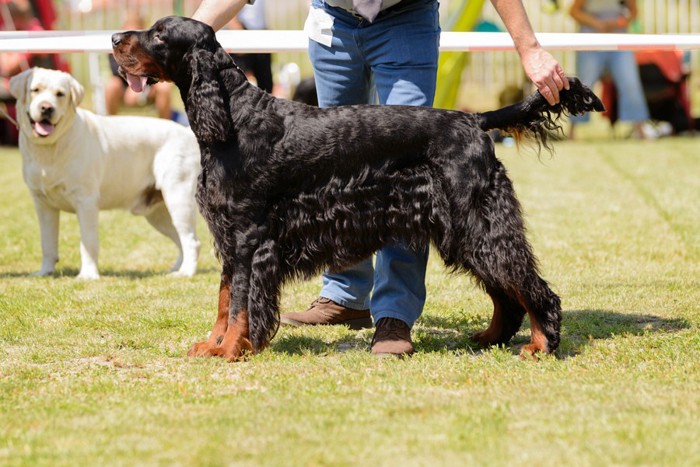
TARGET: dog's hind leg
(507,318)
(519,295)
(530,295)
(493,246)
(543,307)
(182,234)
(203,348)
(183,218)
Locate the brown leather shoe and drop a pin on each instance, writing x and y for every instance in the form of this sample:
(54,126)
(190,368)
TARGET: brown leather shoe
(392,338)
(324,311)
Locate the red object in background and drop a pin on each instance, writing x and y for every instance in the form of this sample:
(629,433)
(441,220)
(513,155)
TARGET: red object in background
(665,86)
(45,11)
(45,19)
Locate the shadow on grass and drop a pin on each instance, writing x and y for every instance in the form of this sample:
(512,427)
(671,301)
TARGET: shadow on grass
(119,274)
(581,327)
(127,274)
(295,344)
(439,334)
(68,273)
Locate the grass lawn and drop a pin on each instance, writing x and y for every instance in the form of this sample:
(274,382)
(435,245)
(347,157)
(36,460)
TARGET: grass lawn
(95,373)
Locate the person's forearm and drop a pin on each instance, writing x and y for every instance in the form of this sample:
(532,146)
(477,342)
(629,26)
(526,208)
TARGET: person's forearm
(216,13)
(539,65)
(584,19)
(632,8)
(517,23)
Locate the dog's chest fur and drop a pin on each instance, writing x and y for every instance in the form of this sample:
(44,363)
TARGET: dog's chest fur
(43,179)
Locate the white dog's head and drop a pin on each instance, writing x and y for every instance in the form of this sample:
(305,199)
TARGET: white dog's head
(46,103)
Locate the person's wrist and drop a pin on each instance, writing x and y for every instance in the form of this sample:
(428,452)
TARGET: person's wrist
(529,50)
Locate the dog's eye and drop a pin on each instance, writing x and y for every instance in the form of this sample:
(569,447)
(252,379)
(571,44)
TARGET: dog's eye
(157,39)
(34,90)
(60,93)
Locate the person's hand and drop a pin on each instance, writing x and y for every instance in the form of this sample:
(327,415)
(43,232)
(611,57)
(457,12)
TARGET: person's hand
(546,73)
(613,25)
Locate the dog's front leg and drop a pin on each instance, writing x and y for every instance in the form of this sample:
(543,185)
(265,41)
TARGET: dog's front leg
(236,342)
(88,217)
(48,228)
(232,318)
(203,348)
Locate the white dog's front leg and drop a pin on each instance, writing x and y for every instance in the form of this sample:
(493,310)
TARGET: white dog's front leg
(48,228)
(88,215)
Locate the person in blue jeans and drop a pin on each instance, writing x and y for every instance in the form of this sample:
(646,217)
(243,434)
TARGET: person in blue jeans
(386,52)
(612,16)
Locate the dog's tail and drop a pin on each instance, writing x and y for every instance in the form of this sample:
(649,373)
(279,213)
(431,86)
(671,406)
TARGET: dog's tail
(534,119)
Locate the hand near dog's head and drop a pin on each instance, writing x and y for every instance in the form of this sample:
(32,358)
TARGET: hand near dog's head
(46,102)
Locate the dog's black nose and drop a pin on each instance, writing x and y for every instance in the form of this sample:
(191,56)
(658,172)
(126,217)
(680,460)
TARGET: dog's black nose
(46,109)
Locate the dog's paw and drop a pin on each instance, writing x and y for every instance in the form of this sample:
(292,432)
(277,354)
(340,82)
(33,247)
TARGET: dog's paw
(235,354)
(202,349)
(181,273)
(214,348)
(533,352)
(88,275)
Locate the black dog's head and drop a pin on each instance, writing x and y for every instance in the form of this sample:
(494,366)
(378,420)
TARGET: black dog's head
(160,52)
(186,52)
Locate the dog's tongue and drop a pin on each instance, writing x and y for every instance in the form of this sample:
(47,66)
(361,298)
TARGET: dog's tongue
(137,83)
(43,128)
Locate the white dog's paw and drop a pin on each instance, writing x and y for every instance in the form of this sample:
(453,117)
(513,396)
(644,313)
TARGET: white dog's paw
(88,275)
(181,273)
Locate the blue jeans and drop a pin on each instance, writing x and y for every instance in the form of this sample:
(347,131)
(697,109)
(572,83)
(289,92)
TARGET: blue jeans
(622,66)
(394,59)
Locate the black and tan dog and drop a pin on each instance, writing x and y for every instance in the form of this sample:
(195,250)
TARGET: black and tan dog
(289,189)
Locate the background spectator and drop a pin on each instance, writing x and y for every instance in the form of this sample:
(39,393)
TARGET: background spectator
(17,15)
(612,16)
(257,67)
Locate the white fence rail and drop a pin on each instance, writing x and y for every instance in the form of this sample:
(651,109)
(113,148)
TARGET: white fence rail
(488,71)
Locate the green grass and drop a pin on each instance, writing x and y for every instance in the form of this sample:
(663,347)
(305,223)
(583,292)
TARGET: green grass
(95,373)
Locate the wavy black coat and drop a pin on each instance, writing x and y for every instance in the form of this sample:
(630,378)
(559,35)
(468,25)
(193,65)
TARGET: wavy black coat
(289,190)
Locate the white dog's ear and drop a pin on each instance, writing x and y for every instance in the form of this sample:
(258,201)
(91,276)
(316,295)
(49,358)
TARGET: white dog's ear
(77,91)
(18,84)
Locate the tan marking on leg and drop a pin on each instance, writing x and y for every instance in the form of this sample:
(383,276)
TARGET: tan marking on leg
(490,335)
(221,324)
(538,340)
(236,343)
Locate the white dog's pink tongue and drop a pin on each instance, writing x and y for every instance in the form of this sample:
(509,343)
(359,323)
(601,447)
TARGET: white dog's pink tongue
(137,83)
(43,129)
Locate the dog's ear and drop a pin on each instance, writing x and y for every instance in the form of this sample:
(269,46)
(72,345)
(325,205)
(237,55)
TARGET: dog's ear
(77,91)
(18,84)
(207,109)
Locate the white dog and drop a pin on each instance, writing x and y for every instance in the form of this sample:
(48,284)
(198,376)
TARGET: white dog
(76,161)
